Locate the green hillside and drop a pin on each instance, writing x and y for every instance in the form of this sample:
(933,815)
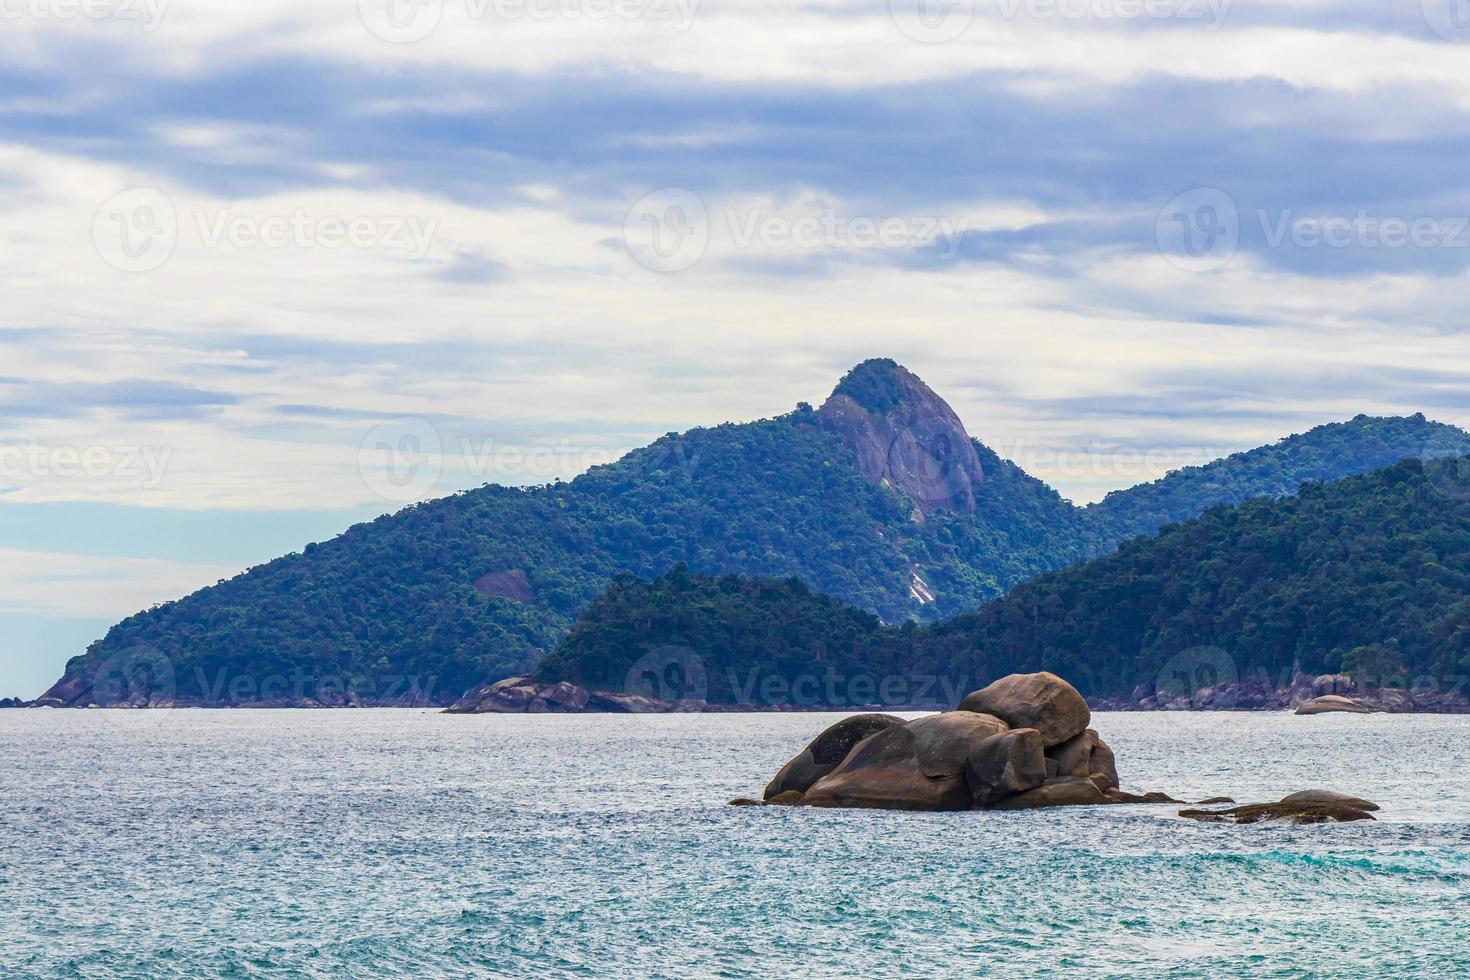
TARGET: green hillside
(1371,573)
(879,498)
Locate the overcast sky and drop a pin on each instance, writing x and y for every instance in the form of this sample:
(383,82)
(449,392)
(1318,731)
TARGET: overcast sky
(256,251)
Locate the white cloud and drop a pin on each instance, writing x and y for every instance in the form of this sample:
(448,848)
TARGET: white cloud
(45,583)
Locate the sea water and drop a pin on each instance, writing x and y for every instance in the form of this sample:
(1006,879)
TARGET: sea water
(416,844)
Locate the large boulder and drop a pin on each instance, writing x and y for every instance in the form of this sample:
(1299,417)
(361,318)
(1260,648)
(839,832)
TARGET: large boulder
(920,765)
(826,751)
(1058,791)
(1041,701)
(1006,764)
(1314,796)
(1330,703)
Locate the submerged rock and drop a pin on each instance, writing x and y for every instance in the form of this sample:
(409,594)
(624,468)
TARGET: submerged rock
(826,751)
(1308,807)
(1041,701)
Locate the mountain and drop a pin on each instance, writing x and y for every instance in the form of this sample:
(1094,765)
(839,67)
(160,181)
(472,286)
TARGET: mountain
(879,498)
(1326,453)
(1369,575)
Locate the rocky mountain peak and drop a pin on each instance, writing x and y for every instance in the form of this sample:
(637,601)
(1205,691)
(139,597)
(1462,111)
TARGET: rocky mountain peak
(904,433)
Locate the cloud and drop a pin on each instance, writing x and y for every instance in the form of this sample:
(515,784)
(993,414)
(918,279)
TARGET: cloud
(48,583)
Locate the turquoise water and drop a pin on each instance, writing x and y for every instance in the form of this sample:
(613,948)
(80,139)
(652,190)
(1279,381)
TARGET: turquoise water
(409,843)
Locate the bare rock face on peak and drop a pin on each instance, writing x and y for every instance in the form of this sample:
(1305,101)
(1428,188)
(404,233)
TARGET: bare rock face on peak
(904,433)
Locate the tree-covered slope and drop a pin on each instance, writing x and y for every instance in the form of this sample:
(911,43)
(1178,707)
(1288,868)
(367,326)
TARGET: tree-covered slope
(1325,453)
(422,594)
(1370,573)
(879,498)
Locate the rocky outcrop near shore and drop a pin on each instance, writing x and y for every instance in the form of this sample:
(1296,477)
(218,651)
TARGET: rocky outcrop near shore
(1031,748)
(1307,694)
(526,695)
(13,703)
(1308,807)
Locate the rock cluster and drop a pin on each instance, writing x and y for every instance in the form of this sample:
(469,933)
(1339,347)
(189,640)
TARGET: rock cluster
(1022,742)
(516,695)
(1311,806)
(12,703)
(1316,693)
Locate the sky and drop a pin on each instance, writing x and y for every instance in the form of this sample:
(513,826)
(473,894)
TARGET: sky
(272,267)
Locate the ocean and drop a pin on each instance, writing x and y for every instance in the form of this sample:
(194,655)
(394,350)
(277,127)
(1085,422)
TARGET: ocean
(409,843)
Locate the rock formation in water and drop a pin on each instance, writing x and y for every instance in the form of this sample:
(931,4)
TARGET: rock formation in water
(1305,693)
(1022,743)
(1307,807)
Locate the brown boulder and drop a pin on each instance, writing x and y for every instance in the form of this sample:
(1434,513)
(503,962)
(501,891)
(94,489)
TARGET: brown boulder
(1006,764)
(1041,701)
(1329,703)
(920,765)
(1327,796)
(1059,791)
(826,751)
(1300,813)
(1306,807)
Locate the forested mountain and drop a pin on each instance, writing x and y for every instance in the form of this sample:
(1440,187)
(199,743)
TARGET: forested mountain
(879,498)
(1370,574)
(1326,453)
